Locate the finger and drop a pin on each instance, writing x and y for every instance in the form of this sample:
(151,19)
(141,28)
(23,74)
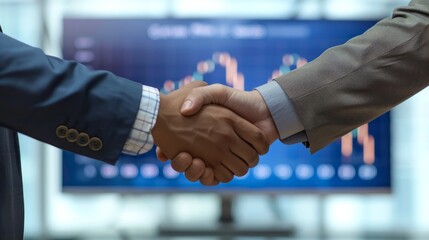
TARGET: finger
(196,170)
(214,183)
(213,94)
(251,134)
(222,173)
(181,162)
(208,178)
(235,164)
(245,152)
(160,155)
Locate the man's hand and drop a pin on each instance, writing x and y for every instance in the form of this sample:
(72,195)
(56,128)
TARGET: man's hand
(249,105)
(194,169)
(228,144)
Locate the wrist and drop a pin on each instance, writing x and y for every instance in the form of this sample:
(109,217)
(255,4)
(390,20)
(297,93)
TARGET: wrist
(261,106)
(267,123)
(140,139)
(159,127)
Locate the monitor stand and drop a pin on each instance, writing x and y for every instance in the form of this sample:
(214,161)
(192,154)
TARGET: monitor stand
(227,227)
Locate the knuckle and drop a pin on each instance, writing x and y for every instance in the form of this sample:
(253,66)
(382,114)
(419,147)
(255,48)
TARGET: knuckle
(190,176)
(227,178)
(265,148)
(230,136)
(219,89)
(196,170)
(176,167)
(263,143)
(259,136)
(181,163)
(192,92)
(206,182)
(215,183)
(198,84)
(198,165)
(254,155)
(225,137)
(242,172)
(254,162)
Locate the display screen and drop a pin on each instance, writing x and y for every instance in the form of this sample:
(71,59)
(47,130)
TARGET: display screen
(244,54)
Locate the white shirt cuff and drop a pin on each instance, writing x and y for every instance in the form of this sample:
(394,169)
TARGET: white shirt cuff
(282,111)
(140,139)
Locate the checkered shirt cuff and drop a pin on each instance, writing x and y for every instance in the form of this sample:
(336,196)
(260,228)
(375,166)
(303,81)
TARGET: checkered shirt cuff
(140,139)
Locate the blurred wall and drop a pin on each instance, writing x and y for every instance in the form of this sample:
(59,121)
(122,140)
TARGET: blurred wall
(51,212)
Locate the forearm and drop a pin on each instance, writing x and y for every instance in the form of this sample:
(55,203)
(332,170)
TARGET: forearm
(38,93)
(354,83)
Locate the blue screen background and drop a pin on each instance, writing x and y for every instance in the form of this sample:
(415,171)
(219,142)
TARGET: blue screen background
(165,53)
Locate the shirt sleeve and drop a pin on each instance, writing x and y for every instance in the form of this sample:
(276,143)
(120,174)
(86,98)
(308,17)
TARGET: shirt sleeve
(285,118)
(140,139)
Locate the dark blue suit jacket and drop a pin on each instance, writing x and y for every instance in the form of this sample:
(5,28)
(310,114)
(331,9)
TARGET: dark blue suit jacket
(61,103)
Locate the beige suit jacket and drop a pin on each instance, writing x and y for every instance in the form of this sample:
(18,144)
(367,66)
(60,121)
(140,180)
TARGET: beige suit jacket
(354,83)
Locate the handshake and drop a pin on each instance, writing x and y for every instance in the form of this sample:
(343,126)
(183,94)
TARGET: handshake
(212,133)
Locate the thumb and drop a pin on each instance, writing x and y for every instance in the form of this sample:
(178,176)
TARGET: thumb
(200,96)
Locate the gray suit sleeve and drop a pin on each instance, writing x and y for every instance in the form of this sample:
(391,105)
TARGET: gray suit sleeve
(39,94)
(352,84)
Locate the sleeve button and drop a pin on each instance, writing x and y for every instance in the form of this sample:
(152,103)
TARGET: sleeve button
(95,144)
(61,131)
(71,135)
(82,139)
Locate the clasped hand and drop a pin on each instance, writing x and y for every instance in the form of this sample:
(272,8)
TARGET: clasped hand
(212,143)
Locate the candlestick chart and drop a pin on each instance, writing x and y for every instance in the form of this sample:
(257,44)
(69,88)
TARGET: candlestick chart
(242,54)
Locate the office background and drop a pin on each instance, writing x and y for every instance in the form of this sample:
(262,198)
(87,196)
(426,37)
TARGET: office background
(52,213)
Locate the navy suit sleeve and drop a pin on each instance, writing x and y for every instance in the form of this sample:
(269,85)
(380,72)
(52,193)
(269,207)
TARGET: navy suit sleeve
(39,93)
